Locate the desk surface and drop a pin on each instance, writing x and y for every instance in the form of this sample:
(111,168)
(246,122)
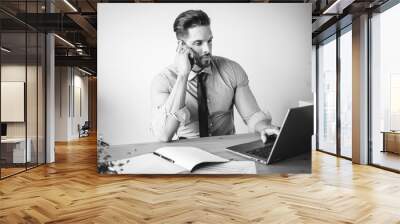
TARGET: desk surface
(215,145)
(390,132)
(13,140)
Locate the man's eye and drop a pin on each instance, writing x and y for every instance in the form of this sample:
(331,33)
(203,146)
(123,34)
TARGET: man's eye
(210,41)
(197,44)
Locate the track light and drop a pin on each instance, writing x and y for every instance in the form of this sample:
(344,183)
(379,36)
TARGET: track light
(338,6)
(84,71)
(70,5)
(5,50)
(64,40)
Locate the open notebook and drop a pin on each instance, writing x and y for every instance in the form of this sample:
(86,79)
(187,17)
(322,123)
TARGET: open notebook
(181,160)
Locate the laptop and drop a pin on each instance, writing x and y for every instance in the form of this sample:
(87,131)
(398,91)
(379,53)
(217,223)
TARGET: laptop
(293,139)
(3,131)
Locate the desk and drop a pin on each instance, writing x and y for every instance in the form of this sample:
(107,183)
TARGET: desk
(13,150)
(215,145)
(391,141)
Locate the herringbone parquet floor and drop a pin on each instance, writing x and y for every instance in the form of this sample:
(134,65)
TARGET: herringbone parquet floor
(71,191)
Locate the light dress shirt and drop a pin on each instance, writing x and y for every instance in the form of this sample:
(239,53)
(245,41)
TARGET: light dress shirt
(226,84)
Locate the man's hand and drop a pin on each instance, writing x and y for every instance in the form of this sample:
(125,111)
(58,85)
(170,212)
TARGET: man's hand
(269,132)
(182,62)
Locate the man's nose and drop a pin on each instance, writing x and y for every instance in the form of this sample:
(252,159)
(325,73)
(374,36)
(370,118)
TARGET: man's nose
(206,49)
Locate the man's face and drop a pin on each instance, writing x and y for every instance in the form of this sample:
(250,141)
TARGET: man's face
(199,38)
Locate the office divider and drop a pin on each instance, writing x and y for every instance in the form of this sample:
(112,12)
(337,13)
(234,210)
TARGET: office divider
(22,64)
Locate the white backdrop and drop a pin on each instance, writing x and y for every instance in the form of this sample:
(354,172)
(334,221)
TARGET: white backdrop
(272,42)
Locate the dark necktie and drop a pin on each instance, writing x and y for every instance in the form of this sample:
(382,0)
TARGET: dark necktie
(202,104)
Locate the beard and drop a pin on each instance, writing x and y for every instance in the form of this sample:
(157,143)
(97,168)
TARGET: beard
(202,61)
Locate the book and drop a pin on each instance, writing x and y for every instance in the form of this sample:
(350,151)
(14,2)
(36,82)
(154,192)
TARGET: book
(181,160)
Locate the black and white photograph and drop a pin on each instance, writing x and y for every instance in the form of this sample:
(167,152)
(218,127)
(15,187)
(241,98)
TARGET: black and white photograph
(204,88)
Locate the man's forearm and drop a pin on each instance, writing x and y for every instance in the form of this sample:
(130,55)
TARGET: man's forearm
(175,101)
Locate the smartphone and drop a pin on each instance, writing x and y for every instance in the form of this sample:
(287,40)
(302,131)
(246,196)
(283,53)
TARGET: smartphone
(191,60)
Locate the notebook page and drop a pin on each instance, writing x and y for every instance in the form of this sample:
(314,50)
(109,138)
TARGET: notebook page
(232,167)
(188,157)
(146,164)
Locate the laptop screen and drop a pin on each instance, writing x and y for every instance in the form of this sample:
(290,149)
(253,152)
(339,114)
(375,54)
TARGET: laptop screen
(3,129)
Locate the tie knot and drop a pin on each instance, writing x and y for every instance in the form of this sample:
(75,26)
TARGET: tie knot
(201,76)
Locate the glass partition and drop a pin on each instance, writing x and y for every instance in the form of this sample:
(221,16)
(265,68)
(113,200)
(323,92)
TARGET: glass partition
(41,107)
(13,105)
(32,84)
(32,95)
(22,77)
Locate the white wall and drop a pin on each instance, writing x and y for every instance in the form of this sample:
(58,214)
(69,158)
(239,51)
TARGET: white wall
(61,103)
(17,73)
(66,120)
(80,83)
(272,42)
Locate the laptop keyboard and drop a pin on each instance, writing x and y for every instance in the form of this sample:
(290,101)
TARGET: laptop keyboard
(262,152)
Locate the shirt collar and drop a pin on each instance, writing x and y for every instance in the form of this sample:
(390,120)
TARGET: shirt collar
(193,74)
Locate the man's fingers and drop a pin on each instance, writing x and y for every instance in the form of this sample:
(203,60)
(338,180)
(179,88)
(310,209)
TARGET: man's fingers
(179,46)
(263,137)
(183,50)
(190,50)
(272,131)
(268,132)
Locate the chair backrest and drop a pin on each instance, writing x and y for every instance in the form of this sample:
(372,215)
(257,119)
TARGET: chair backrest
(86,125)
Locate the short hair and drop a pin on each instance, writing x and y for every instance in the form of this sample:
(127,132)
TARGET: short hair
(189,19)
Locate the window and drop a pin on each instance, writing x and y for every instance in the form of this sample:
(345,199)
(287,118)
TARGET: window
(385,88)
(346,93)
(395,102)
(327,96)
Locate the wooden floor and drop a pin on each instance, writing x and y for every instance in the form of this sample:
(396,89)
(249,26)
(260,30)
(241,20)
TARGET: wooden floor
(386,159)
(71,191)
(10,171)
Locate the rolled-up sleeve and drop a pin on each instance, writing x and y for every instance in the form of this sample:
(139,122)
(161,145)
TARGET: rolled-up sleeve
(245,101)
(159,95)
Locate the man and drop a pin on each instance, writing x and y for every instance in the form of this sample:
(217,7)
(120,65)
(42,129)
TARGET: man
(194,96)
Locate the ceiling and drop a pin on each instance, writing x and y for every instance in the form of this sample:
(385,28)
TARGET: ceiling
(76,22)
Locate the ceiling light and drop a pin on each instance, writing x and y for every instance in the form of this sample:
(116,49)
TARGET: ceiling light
(84,71)
(70,5)
(5,50)
(79,51)
(331,7)
(64,40)
(338,6)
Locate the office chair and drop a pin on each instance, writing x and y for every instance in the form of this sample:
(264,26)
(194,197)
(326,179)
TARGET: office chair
(84,130)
